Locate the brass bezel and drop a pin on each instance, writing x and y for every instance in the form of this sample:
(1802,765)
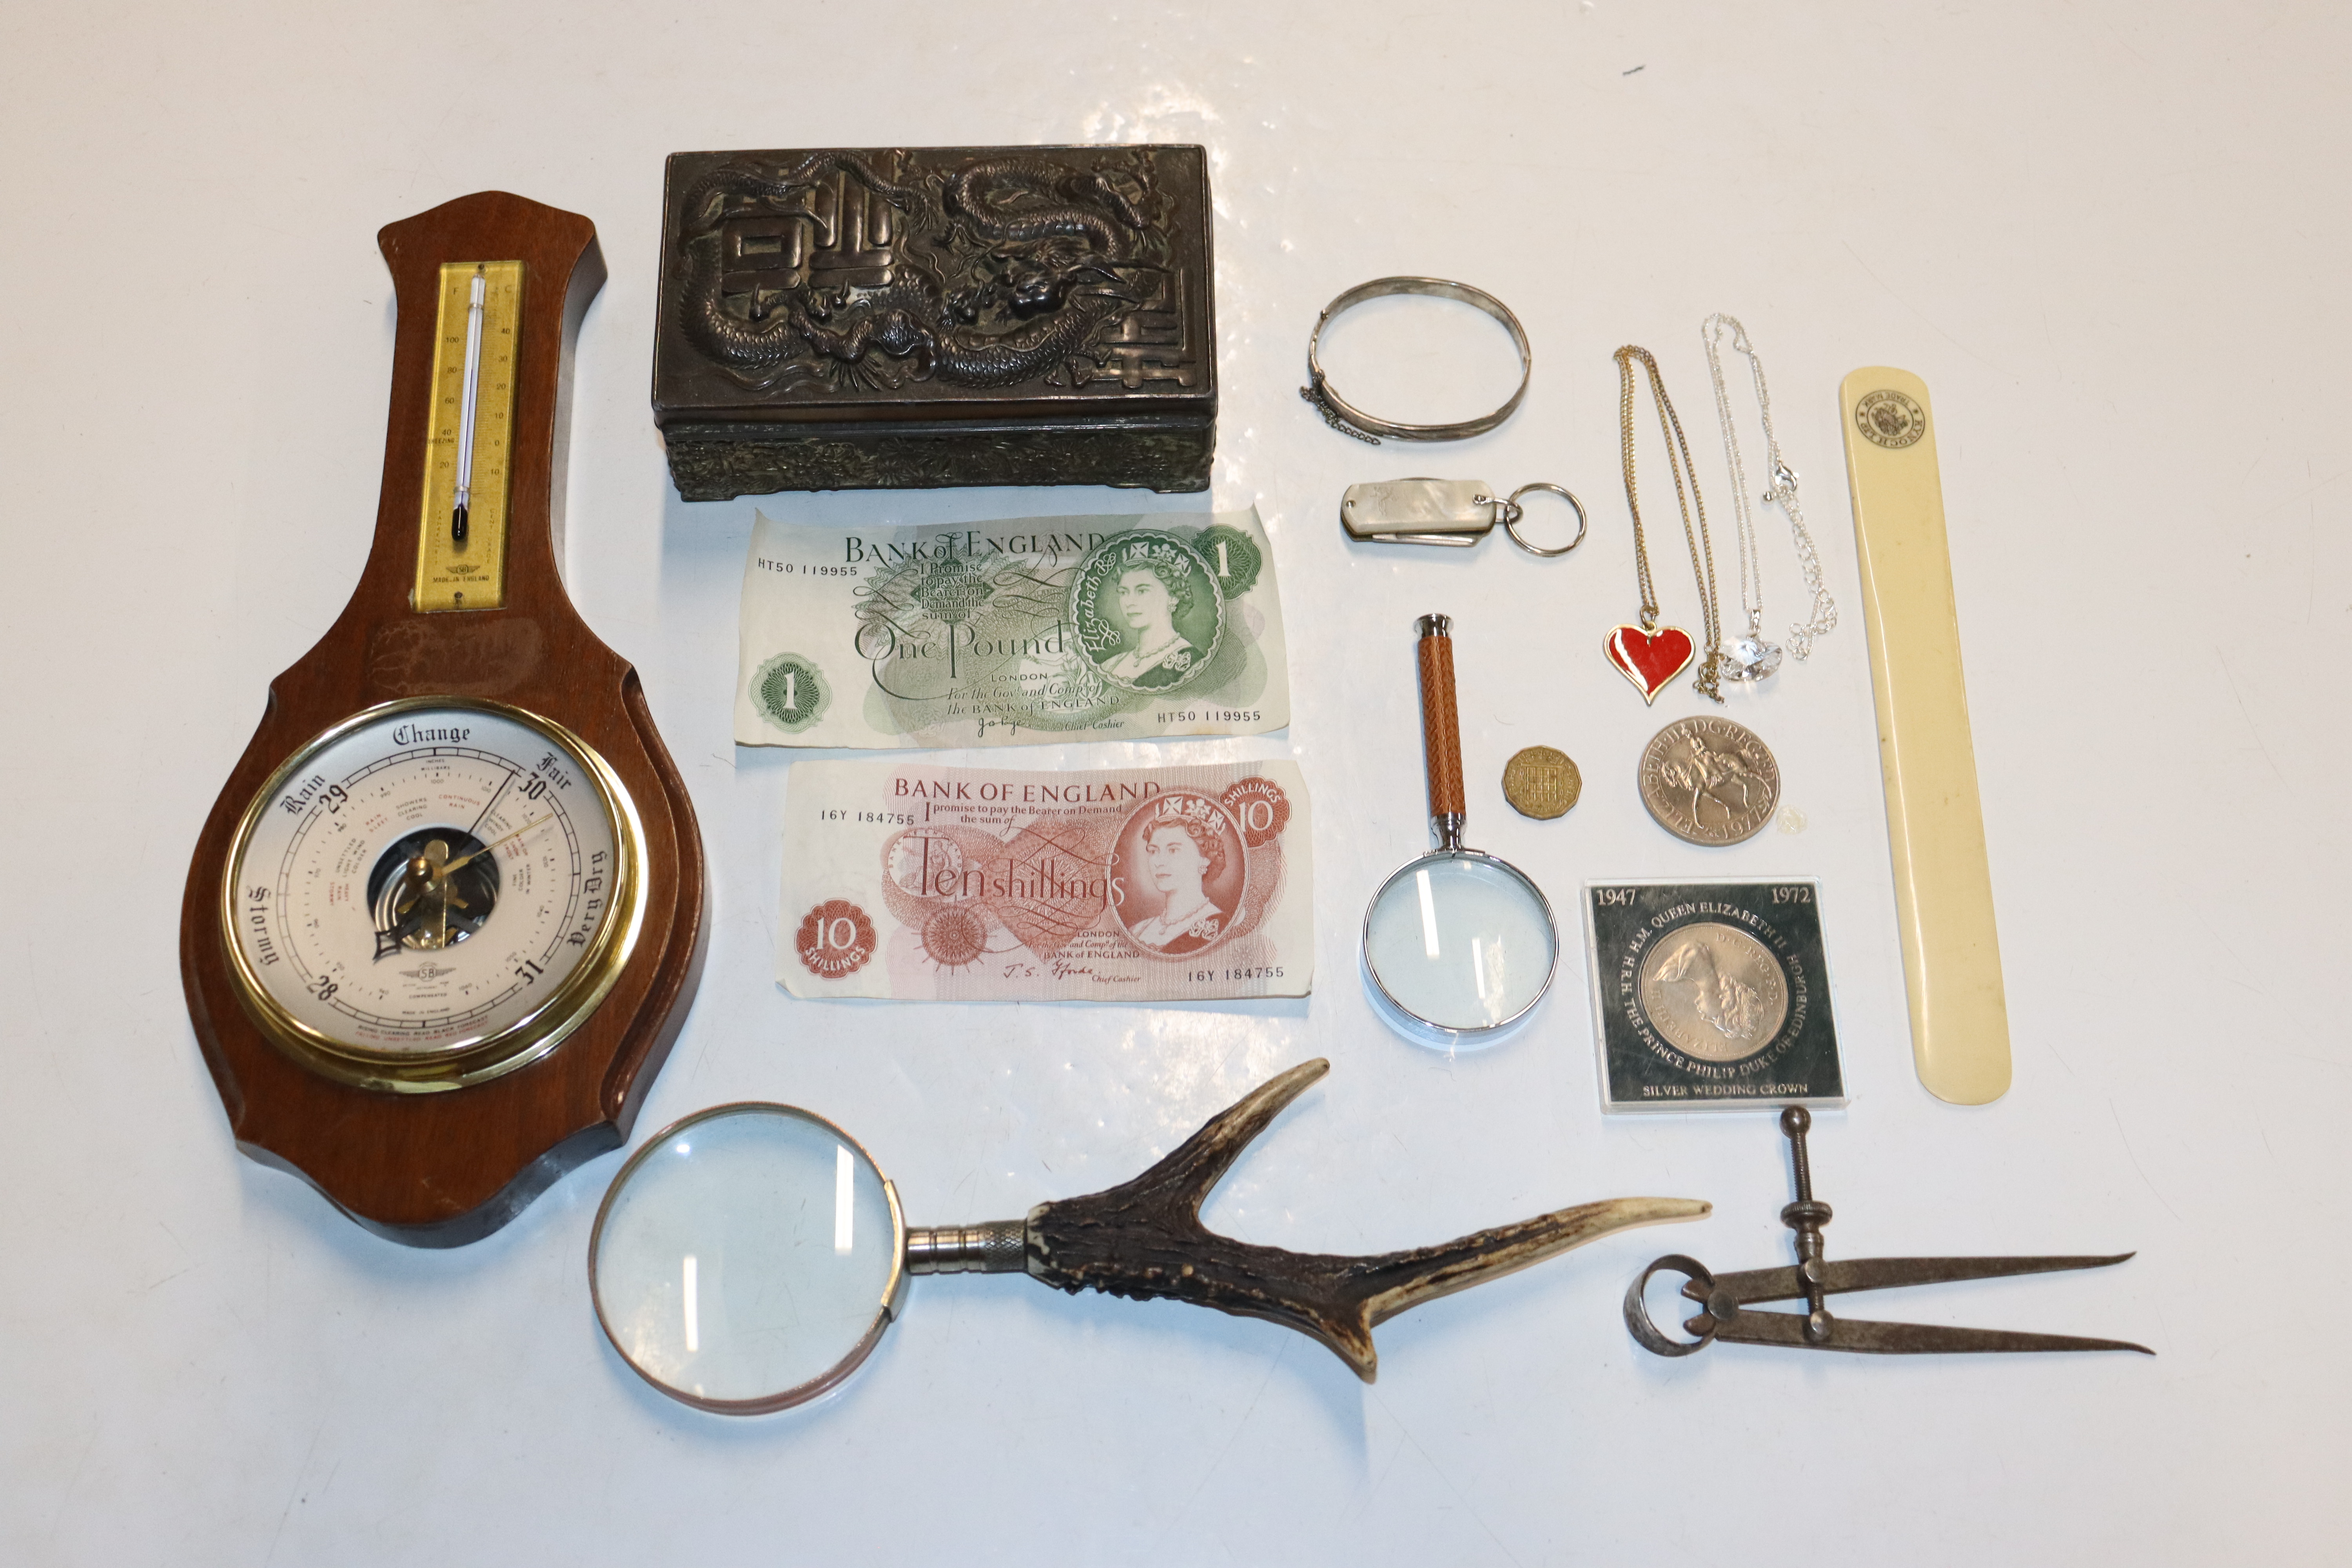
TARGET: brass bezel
(513,1046)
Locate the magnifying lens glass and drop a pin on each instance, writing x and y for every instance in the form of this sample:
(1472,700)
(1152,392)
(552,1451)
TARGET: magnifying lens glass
(1459,946)
(749,1257)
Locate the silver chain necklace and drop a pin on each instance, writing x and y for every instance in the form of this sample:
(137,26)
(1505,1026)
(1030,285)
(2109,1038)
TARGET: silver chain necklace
(1750,658)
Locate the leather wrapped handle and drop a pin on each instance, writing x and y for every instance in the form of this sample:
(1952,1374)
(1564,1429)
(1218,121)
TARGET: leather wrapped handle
(1441,724)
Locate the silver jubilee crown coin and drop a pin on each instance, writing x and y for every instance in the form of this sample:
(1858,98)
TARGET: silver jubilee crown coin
(1709,781)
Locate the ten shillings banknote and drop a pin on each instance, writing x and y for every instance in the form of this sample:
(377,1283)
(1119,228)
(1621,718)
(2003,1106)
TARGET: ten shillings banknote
(981,885)
(992,634)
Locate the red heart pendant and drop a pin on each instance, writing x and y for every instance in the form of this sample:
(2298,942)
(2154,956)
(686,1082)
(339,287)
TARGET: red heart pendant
(1649,659)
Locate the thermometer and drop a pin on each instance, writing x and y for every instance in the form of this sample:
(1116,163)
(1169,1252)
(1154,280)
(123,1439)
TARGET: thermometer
(461,550)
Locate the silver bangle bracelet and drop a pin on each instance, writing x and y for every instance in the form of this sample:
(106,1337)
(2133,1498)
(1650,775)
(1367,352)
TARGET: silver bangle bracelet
(1348,420)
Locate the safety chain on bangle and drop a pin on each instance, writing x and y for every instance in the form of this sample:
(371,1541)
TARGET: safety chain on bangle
(1313,393)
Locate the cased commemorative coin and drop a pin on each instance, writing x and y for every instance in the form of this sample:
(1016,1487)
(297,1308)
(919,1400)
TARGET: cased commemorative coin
(1541,782)
(1711,995)
(1709,781)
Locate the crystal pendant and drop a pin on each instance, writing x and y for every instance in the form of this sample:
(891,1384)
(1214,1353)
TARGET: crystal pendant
(1750,658)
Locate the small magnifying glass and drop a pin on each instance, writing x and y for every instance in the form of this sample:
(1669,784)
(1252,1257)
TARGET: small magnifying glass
(1459,946)
(749,1257)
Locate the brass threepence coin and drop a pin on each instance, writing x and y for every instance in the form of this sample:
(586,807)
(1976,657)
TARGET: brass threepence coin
(1714,992)
(1542,782)
(1709,781)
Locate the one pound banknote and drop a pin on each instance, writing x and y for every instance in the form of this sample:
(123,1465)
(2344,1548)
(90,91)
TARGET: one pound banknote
(992,634)
(979,885)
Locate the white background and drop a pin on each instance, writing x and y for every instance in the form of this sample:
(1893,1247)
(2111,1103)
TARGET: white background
(2111,237)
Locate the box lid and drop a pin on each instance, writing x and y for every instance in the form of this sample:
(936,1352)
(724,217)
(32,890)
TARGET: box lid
(936,283)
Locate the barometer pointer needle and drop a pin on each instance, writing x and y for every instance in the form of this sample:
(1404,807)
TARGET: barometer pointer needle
(467,399)
(387,939)
(518,833)
(459,864)
(484,814)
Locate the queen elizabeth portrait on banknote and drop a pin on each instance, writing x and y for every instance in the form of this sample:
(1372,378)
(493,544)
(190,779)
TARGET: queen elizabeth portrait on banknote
(1148,611)
(1185,848)
(1148,597)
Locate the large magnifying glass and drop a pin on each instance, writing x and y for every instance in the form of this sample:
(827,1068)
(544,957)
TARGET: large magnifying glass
(1459,946)
(749,1257)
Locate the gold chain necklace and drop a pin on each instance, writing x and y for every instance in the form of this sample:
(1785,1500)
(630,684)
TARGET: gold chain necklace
(1650,655)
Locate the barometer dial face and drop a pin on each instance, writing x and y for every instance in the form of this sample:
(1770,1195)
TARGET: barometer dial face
(433,892)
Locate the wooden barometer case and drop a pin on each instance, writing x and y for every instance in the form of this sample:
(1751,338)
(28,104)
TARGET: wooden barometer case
(446,918)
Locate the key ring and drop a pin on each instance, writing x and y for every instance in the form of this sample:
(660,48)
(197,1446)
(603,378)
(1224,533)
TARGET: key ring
(1513,511)
(1349,420)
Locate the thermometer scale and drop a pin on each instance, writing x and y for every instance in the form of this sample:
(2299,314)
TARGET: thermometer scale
(462,535)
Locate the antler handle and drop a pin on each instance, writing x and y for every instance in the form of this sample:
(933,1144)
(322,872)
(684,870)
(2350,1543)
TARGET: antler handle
(1145,1239)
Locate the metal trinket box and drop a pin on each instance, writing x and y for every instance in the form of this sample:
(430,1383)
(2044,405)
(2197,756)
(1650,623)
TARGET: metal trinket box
(918,317)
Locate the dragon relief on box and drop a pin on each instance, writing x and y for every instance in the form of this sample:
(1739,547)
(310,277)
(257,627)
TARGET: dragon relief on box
(993,273)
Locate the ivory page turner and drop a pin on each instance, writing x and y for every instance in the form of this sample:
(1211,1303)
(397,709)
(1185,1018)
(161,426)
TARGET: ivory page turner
(1934,823)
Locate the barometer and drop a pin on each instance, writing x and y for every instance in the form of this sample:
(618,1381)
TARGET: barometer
(433,893)
(445,919)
